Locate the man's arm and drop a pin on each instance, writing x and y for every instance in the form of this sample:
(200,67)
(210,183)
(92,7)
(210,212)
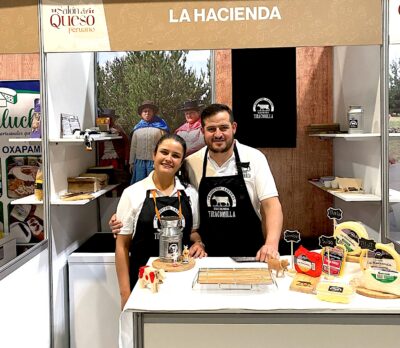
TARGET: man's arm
(272,220)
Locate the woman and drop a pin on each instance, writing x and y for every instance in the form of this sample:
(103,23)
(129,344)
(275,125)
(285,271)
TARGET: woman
(137,210)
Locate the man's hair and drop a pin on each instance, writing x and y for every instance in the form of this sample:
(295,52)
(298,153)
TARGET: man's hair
(214,109)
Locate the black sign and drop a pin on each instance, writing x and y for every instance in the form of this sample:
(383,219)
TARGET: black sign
(264,96)
(333,213)
(291,236)
(369,244)
(325,241)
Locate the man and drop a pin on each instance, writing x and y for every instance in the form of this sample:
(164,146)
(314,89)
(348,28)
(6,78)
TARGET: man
(145,136)
(237,194)
(191,129)
(238,199)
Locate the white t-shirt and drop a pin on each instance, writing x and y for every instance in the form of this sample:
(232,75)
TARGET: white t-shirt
(258,178)
(133,197)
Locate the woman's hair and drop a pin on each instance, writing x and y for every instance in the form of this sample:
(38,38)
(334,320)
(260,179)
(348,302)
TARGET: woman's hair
(182,172)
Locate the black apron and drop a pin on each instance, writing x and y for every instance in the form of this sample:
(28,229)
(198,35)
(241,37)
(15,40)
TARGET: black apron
(229,225)
(145,242)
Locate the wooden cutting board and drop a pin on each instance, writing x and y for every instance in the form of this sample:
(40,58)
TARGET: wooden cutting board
(235,276)
(170,267)
(375,294)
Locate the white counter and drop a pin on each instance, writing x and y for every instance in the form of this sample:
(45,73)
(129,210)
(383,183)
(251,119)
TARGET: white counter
(177,300)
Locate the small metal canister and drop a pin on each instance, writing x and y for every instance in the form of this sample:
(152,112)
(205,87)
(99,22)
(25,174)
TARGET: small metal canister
(356,119)
(170,238)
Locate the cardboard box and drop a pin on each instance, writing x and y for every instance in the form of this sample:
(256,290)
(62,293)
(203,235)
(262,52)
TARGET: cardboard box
(83,185)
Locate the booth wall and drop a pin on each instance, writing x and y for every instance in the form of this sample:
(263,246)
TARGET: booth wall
(304,206)
(70,80)
(24,294)
(24,303)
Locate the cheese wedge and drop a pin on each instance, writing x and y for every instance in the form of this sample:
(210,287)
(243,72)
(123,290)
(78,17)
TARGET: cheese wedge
(384,257)
(348,234)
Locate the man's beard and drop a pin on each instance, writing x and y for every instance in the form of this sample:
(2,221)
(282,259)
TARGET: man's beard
(226,148)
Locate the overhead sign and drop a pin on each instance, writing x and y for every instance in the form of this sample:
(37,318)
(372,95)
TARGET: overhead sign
(103,25)
(394,21)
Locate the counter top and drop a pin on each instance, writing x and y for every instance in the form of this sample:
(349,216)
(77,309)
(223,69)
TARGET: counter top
(176,295)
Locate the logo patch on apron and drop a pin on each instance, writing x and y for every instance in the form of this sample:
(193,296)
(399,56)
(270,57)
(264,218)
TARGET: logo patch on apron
(221,201)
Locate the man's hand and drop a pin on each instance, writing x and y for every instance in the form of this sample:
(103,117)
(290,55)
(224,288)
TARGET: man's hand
(197,250)
(115,225)
(266,252)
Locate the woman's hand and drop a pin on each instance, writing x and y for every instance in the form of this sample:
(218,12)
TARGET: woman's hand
(115,225)
(197,250)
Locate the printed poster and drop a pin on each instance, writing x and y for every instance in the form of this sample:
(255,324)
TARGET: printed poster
(19,162)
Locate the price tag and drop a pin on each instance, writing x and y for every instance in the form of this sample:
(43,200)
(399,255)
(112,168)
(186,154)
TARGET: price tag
(325,241)
(291,236)
(369,244)
(333,213)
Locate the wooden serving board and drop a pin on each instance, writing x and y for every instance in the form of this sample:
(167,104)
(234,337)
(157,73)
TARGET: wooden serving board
(375,294)
(170,267)
(239,276)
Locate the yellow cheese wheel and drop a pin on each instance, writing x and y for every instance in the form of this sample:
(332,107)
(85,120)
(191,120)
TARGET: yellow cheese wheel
(385,257)
(348,234)
(383,281)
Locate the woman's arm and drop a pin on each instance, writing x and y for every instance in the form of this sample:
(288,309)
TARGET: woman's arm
(122,266)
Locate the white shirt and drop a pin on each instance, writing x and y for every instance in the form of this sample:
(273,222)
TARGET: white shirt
(258,178)
(133,197)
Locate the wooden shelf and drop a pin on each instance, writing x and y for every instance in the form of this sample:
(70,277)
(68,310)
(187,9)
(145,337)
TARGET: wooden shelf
(80,140)
(346,136)
(95,195)
(27,200)
(348,197)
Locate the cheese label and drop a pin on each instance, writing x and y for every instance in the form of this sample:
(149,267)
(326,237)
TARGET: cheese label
(348,238)
(380,259)
(334,288)
(384,277)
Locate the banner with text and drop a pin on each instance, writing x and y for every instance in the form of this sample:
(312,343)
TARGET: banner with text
(19,161)
(103,25)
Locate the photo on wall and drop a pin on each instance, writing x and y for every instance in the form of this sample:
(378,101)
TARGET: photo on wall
(264,96)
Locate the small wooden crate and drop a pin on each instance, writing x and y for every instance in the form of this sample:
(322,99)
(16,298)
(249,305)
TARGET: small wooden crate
(83,185)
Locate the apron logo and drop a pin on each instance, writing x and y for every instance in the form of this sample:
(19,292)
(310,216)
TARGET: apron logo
(156,224)
(221,200)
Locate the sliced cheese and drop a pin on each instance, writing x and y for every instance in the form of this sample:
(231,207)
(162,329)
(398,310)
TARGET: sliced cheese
(348,234)
(334,292)
(380,280)
(384,257)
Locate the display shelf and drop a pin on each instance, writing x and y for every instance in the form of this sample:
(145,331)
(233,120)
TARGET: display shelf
(58,201)
(25,140)
(394,135)
(348,197)
(346,136)
(81,140)
(27,200)
(394,196)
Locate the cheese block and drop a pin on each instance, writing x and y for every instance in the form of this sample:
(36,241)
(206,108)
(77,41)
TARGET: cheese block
(8,94)
(333,260)
(334,292)
(348,234)
(380,280)
(308,262)
(384,257)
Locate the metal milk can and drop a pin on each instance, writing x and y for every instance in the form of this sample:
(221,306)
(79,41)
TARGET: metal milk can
(170,238)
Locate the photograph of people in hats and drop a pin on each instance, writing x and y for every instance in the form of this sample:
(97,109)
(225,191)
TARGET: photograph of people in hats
(191,129)
(145,135)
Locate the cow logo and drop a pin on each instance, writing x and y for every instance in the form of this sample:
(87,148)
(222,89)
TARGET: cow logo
(221,200)
(263,108)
